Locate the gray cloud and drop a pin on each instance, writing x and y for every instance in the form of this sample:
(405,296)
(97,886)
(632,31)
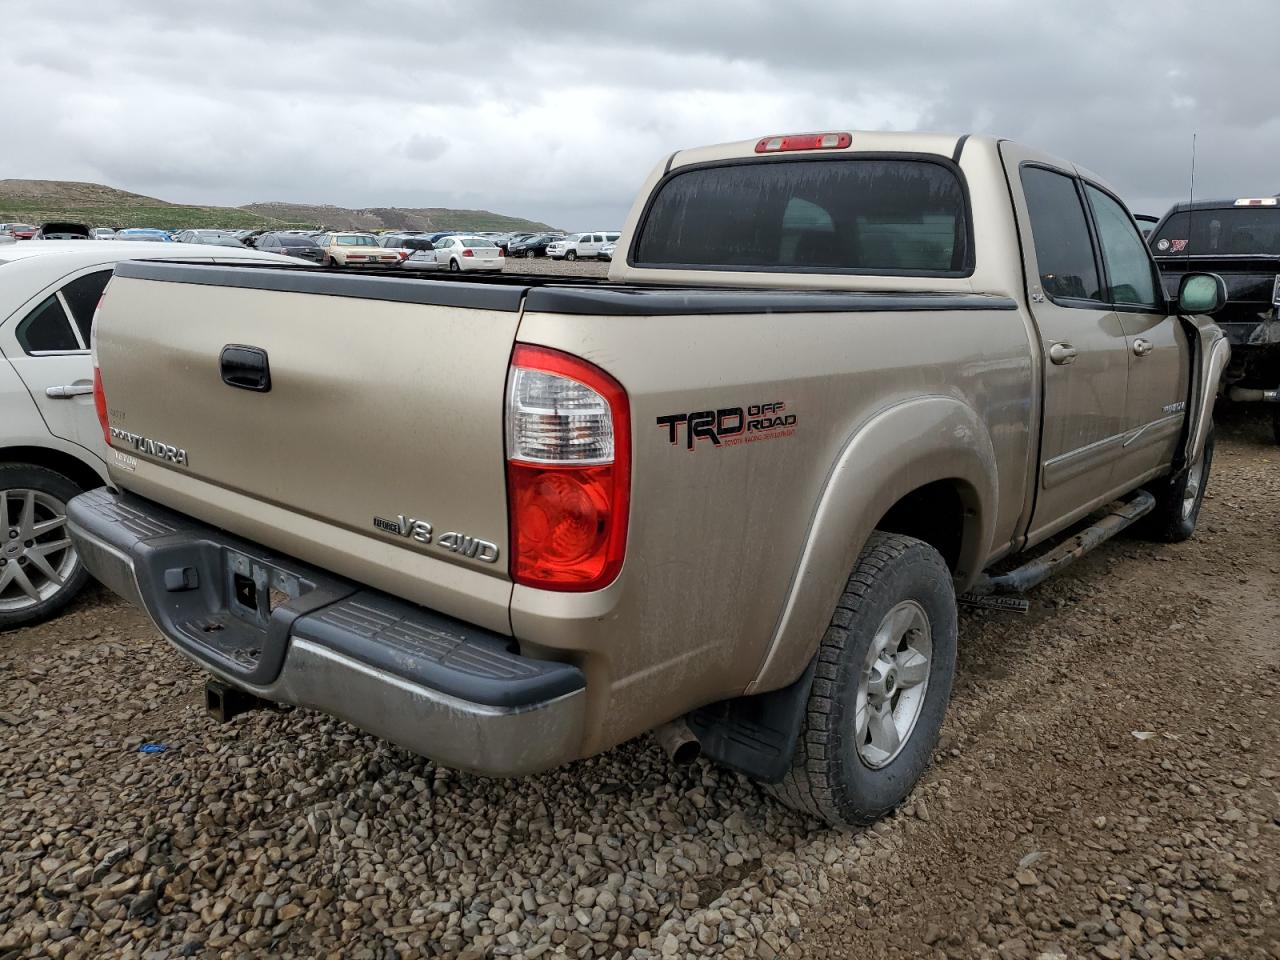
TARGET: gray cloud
(557,113)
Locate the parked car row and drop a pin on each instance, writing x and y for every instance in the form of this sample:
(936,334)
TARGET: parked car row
(413,250)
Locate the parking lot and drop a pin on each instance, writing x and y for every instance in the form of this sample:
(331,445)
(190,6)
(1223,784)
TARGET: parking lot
(1107,785)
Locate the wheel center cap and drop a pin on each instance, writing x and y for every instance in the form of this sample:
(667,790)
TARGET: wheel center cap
(13,548)
(890,681)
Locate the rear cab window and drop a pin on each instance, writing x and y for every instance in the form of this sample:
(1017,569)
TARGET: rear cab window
(880,215)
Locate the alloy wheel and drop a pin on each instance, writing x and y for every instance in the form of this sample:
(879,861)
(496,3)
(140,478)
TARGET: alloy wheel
(892,686)
(37,558)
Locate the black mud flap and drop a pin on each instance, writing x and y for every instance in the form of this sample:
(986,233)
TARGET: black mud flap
(755,735)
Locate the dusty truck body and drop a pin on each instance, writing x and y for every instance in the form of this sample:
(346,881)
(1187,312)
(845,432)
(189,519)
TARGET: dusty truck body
(510,522)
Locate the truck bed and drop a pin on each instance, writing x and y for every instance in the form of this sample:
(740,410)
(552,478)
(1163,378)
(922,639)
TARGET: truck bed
(538,293)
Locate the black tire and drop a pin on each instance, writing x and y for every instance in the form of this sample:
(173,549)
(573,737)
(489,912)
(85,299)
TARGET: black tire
(529,254)
(1174,517)
(1275,423)
(55,486)
(830,778)
(571,255)
(453,267)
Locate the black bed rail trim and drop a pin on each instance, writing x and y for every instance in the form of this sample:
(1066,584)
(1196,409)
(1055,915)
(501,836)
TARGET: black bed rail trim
(667,301)
(301,279)
(505,293)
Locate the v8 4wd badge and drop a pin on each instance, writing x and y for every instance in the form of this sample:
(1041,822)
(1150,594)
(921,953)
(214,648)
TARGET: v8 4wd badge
(422,532)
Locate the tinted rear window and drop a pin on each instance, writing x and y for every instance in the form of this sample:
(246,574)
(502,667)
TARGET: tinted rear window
(857,215)
(1234,230)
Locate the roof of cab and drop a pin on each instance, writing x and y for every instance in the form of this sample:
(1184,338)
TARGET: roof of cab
(861,141)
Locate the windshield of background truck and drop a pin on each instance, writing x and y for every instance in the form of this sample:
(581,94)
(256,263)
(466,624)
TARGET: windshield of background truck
(837,215)
(1230,230)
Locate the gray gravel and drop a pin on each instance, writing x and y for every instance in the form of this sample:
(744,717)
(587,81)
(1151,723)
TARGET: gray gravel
(291,834)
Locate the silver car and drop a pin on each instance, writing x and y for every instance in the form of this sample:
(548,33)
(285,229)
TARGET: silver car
(420,253)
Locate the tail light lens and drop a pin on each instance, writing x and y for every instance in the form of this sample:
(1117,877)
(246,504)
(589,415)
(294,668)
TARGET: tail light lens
(99,395)
(568,471)
(467,252)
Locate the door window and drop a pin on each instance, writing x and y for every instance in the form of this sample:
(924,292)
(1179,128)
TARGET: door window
(46,329)
(1064,252)
(82,295)
(1130,271)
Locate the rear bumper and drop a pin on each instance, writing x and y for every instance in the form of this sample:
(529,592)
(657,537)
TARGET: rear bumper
(444,689)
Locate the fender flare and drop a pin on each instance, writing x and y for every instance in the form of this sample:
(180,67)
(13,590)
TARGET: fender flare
(1211,352)
(898,449)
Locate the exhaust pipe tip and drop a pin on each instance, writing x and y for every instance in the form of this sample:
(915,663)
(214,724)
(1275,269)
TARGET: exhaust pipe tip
(678,742)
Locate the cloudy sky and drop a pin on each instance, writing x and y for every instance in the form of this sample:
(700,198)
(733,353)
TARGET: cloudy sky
(557,110)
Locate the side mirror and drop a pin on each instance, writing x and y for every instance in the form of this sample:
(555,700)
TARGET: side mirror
(1201,293)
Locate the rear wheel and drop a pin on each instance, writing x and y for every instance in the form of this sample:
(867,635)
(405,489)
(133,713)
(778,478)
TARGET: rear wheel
(454,267)
(40,572)
(1275,423)
(571,255)
(880,688)
(1178,500)
(529,254)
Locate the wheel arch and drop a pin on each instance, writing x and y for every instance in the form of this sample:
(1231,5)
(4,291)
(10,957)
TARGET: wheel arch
(912,466)
(80,472)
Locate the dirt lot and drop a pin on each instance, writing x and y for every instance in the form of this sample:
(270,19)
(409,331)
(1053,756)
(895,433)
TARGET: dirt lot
(1108,786)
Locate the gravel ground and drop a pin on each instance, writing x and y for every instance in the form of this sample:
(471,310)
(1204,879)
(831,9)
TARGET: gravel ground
(1108,786)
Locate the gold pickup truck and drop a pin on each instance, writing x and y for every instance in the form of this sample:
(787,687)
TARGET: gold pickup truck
(729,494)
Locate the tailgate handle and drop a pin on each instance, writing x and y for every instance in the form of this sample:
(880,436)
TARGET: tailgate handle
(245,367)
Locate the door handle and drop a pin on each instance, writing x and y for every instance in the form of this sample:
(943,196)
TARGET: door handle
(1062,354)
(69,391)
(1142,347)
(245,367)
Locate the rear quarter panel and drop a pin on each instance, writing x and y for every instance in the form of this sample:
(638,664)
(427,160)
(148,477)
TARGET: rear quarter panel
(718,534)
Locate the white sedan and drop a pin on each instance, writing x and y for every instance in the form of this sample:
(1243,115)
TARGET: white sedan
(51,444)
(461,253)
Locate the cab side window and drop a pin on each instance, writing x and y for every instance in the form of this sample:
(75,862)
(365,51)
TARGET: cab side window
(47,329)
(1130,270)
(1064,251)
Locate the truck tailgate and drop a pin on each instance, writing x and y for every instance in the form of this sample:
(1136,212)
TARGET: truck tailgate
(379,433)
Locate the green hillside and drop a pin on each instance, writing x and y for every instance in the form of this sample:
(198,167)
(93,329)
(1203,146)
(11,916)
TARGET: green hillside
(37,201)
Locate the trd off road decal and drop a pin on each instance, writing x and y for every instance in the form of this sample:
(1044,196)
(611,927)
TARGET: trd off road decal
(730,426)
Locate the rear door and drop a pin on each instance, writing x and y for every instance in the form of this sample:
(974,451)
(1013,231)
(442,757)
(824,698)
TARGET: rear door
(1159,354)
(47,342)
(1082,339)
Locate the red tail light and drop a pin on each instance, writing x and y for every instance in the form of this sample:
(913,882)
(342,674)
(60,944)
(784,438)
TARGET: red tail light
(100,405)
(99,395)
(466,252)
(568,471)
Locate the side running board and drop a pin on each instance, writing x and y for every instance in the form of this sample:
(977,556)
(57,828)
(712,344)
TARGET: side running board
(1114,518)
